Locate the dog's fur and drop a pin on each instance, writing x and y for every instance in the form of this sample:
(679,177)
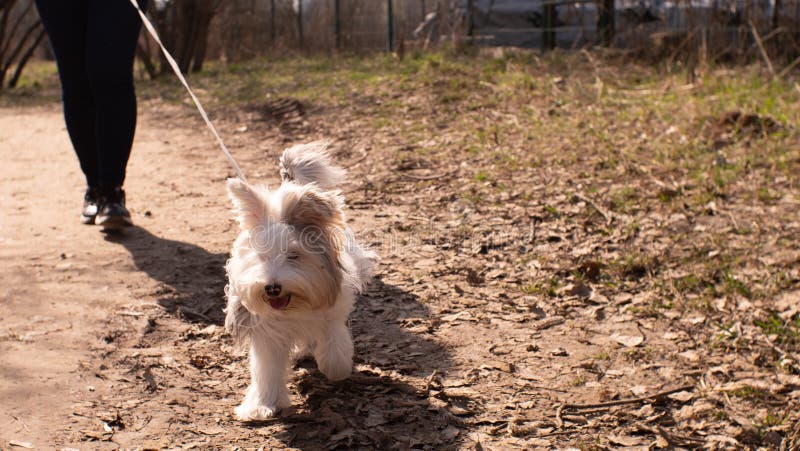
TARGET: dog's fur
(294,237)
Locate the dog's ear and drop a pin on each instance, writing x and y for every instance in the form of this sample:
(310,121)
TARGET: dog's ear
(248,207)
(312,207)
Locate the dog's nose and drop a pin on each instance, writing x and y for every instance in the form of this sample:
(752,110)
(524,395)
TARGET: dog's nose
(273,290)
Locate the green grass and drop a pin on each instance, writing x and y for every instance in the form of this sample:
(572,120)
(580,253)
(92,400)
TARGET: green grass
(785,332)
(750,393)
(547,287)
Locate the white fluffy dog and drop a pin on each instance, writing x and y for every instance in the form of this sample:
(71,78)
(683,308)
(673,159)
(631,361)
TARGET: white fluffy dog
(293,275)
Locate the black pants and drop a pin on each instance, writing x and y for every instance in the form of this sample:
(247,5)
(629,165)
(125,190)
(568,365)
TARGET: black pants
(94,42)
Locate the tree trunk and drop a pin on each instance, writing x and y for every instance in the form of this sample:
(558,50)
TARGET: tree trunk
(24,59)
(144,56)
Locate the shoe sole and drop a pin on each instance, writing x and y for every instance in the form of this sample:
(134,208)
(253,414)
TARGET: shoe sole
(114,222)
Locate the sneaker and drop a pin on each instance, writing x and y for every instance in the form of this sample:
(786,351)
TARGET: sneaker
(89,206)
(111,211)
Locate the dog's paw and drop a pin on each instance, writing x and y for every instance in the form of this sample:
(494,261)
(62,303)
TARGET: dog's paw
(335,368)
(255,412)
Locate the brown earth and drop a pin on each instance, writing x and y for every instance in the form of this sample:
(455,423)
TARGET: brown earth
(110,341)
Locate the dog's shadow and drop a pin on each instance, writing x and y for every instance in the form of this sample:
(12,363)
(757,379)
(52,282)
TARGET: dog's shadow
(192,279)
(394,400)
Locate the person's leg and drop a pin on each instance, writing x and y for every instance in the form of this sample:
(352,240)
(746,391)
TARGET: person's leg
(66,22)
(113,29)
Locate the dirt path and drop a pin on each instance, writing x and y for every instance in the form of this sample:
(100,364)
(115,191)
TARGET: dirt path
(64,284)
(115,340)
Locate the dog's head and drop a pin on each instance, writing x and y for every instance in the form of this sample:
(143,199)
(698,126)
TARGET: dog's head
(287,256)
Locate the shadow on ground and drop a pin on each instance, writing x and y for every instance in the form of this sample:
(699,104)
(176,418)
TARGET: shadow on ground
(193,279)
(378,407)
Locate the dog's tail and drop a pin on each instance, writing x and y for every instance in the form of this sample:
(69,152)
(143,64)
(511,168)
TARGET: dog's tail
(311,163)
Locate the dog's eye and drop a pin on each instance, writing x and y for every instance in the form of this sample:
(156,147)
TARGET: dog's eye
(291,256)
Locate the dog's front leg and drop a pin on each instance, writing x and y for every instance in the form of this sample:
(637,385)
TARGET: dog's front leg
(334,353)
(267,393)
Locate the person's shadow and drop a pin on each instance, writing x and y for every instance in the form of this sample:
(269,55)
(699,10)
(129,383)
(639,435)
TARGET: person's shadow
(192,278)
(376,408)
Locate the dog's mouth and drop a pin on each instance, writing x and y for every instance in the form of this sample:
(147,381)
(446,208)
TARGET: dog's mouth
(279,302)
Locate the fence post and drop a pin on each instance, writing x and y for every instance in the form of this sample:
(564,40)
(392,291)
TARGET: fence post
(470,21)
(272,21)
(300,22)
(390,25)
(549,32)
(605,21)
(337,27)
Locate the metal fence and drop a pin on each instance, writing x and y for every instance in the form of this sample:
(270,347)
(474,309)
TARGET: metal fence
(247,28)
(622,23)
(720,27)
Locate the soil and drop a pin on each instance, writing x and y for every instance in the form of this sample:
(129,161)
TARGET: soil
(116,340)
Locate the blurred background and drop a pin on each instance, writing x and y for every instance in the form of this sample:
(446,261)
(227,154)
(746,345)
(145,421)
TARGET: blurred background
(236,30)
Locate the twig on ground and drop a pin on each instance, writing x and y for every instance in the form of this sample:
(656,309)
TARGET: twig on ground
(671,437)
(541,387)
(559,421)
(548,322)
(130,313)
(521,431)
(353,163)
(429,381)
(733,220)
(429,177)
(784,353)
(626,401)
(608,217)
(191,313)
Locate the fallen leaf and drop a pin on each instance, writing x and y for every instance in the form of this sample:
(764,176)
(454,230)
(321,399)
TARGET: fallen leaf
(548,322)
(342,435)
(456,316)
(580,290)
(661,442)
(693,411)
(629,341)
(450,432)
(625,440)
(682,396)
(375,418)
(690,355)
(498,365)
(639,390)
(21,444)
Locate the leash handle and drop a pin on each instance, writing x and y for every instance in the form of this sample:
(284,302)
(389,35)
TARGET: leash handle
(151,29)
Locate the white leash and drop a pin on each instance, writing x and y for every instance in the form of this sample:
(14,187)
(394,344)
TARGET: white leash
(177,71)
